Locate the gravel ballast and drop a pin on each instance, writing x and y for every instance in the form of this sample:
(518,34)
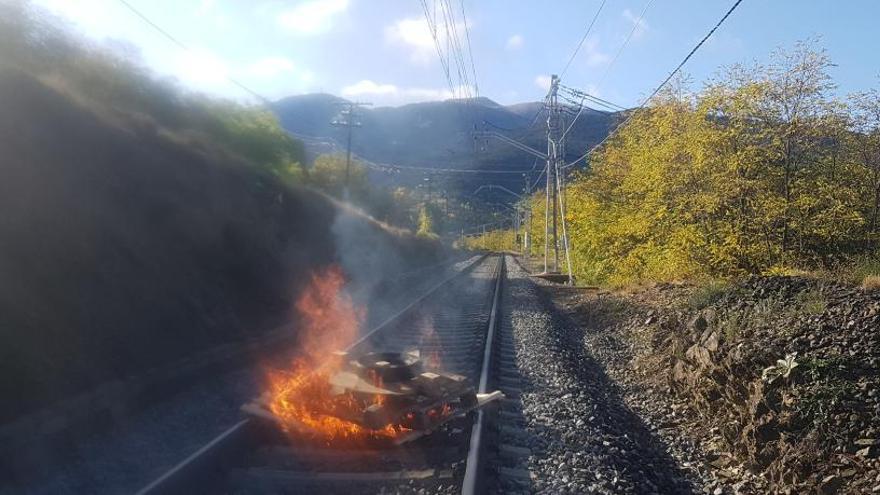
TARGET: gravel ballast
(584,437)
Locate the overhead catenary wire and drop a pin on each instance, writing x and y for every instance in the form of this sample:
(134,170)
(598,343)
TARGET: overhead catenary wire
(264,100)
(467,34)
(659,87)
(635,27)
(583,39)
(183,46)
(625,42)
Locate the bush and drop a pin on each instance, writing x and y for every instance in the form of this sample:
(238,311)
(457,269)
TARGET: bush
(707,294)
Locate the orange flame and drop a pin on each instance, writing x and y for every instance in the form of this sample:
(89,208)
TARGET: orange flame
(302,399)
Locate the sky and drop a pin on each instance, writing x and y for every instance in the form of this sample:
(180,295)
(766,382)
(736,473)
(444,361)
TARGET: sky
(382,51)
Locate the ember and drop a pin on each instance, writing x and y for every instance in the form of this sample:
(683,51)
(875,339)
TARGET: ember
(302,399)
(332,396)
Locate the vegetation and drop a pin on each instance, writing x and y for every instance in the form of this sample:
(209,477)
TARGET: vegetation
(110,81)
(763,170)
(493,240)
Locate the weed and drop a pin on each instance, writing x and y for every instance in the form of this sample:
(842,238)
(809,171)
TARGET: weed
(812,302)
(707,294)
(863,270)
(829,388)
(732,327)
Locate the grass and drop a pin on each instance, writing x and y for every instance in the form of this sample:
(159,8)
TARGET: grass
(830,388)
(871,282)
(707,294)
(812,302)
(732,327)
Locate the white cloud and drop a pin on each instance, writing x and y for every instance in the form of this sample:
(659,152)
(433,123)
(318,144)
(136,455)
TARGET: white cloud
(307,76)
(640,24)
(515,42)
(390,94)
(543,82)
(201,67)
(270,66)
(312,17)
(593,55)
(367,87)
(415,34)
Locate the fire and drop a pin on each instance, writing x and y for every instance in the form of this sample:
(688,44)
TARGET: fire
(302,398)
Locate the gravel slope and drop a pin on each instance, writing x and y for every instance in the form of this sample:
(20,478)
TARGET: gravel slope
(585,439)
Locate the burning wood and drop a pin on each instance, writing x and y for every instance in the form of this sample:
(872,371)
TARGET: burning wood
(373,395)
(334,396)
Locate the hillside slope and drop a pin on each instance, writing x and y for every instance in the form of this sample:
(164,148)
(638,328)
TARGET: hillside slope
(436,134)
(124,246)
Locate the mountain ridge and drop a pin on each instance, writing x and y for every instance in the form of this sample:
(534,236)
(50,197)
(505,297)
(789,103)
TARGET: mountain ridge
(436,134)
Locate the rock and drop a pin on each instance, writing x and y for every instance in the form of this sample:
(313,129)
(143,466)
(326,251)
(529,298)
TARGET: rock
(711,343)
(867,442)
(831,484)
(698,324)
(868,452)
(699,354)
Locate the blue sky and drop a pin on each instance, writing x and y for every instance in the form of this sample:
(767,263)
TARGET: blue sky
(382,51)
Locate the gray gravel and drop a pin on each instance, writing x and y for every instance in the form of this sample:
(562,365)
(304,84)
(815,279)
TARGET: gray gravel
(584,437)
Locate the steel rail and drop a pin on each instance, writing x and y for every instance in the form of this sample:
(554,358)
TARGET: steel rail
(473,475)
(190,474)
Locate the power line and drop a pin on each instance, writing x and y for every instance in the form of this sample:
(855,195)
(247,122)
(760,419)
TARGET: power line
(658,88)
(694,50)
(183,46)
(636,25)
(625,42)
(583,39)
(385,167)
(595,99)
(467,33)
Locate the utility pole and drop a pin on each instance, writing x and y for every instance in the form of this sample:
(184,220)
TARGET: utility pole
(551,191)
(554,202)
(527,212)
(348,118)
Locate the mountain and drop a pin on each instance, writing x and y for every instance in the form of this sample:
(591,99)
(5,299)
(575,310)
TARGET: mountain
(438,134)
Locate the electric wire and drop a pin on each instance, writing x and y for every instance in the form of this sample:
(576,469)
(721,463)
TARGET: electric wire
(658,88)
(625,42)
(636,25)
(183,46)
(467,33)
(583,39)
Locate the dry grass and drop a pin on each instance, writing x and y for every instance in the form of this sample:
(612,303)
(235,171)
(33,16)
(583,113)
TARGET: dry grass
(871,282)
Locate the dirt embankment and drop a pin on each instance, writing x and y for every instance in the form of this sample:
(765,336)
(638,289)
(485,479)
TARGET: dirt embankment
(124,246)
(775,378)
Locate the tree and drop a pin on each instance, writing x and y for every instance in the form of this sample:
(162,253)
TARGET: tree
(798,85)
(865,111)
(328,174)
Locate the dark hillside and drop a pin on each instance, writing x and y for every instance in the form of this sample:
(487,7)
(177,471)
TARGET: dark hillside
(124,246)
(438,134)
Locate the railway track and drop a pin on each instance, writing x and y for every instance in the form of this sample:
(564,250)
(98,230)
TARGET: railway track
(462,322)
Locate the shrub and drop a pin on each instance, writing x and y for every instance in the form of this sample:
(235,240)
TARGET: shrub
(707,294)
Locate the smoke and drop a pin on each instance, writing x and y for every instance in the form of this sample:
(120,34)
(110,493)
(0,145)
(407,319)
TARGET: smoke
(369,258)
